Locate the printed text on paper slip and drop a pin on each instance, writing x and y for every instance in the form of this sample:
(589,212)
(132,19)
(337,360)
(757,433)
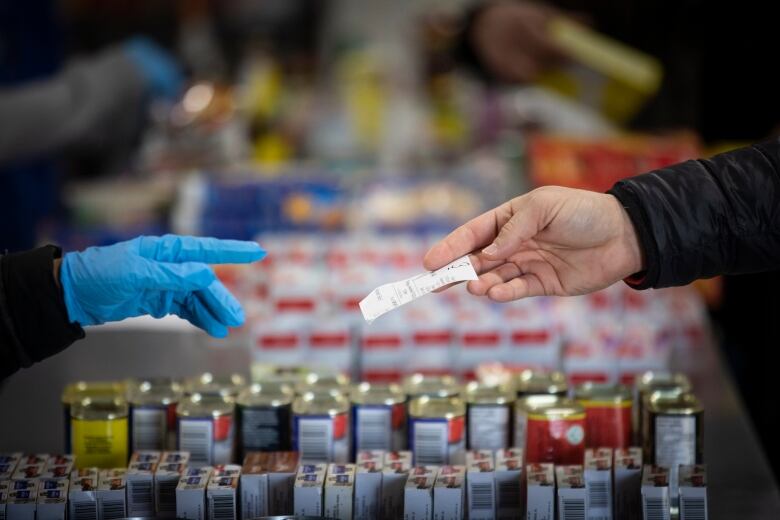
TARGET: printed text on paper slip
(392,295)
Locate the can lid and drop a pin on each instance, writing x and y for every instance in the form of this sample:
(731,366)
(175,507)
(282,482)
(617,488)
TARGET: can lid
(480,393)
(651,380)
(419,384)
(155,390)
(95,408)
(593,391)
(267,393)
(680,404)
(559,407)
(538,382)
(204,405)
(225,385)
(324,381)
(320,403)
(428,406)
(377,393)
(79,389)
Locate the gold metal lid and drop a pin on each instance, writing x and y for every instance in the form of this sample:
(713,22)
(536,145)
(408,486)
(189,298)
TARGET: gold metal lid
(320,403)
(270,393)
(421,384)
(225,385)
(377,393)
(204,405)
(680,404)
(160,390)
(537,382)
(431,406)
(480,393)
(592,391)
(99,408)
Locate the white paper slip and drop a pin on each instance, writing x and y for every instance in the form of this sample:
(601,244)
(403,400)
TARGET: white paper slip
(392,295)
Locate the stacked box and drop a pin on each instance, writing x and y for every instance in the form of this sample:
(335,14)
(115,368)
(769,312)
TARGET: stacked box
(52,499)
(22,499)
(111,500)
(59,466)
(31,466)
(397,465)
(166,480)
(693,492)
(449,495)
(655,492)
(572,493)
(628,483)
(191,493)
(140,487)
(481,485)
(540,491)
(146,456)
(339,491)
(222,492)
(598,481)
(308,491)
(281,479)
(368,484)
(82,496)
(8,463)
(418,493)
(509,475)
(267,480)
(4,485)
(175,457)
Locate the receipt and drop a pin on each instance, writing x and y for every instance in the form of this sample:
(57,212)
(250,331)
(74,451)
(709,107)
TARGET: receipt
(389,296)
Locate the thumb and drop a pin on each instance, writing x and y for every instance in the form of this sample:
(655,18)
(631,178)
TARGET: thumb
(524,224)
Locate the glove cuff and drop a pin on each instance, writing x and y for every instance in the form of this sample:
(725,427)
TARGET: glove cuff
(76,313)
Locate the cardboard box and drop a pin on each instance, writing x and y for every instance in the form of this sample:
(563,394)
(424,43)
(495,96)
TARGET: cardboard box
(191,493)
(59,466)
(82,495)
(655,492)
(281,481)
(693,492)
(166,479)
(308,491)
(140,484)
(222,492)
(628,483)
(29,471)
(4,485)
(540,491)
(339,491)
(509,490)
(111,499)
(8,463)
(449,493)
(22,499)
(598,482)
(254,486)
(52,499)
(394,477)
(481,485)
(572,493)
(152,456)
(368,484)
(175,457)
(418,493)
(267,480)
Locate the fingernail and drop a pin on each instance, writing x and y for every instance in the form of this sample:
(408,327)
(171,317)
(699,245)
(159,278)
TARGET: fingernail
(490,250)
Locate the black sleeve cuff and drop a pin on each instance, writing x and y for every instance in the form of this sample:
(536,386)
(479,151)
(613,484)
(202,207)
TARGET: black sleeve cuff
(35,307)
(649,277)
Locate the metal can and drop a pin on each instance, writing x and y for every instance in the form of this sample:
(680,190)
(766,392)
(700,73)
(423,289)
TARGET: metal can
(324,382)
(607,414)
(488,416)
(521,408)
(99,431)
(321,427)
(378,417)
(153,414)
(672,383)
(416,385)
(264,418)
(75,392)
(227,386)
(205,428)
(437,430)
(555,432)
(534,382)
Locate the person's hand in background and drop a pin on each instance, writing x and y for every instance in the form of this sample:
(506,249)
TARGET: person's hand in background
(511,39)
(159,68)
(155,276)
(551,241)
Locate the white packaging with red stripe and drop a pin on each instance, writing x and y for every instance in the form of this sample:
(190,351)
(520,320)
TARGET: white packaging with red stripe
(479,334)
(598,481)
(540,491)
(280,340)
(480,485)
(509,476)
(532,338)
(329,343)
(384,347)
(430,330)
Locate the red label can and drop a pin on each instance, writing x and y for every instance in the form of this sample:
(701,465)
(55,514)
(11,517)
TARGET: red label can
(607,423)
(556,436)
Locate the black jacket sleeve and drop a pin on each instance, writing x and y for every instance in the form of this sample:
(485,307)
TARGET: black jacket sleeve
(702,218)
(33,320)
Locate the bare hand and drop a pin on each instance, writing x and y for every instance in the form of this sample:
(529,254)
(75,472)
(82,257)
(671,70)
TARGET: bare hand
(551,241)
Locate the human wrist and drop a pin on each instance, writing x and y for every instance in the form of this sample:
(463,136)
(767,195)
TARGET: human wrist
(632,256)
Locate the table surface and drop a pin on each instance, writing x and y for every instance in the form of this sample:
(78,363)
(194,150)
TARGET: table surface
(741,484)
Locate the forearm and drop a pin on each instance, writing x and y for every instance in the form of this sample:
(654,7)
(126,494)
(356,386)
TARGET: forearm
(699,219)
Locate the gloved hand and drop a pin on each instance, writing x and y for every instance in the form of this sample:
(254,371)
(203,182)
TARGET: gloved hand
(155,276)
(162,73)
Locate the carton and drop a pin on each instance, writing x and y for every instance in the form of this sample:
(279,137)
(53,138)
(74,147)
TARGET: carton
(509,474)
(598,482)
(222,492)
(8,463)
(449,497)
(166,479)
(146,456)
(481,485)
(418,493)
(191,493)
(52,499)
(572,493)
(140,485)
(308,491)
(540,491)
(368,484)
(339,491)
(394,476)
(22,499)
(59,466)
(655,492)
(628,483)
(29,471)
(82,495)
(693,492)
(175,457)
(111,490)
(267,480)
(4,484)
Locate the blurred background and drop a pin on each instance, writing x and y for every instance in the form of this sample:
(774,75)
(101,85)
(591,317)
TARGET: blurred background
(345,136)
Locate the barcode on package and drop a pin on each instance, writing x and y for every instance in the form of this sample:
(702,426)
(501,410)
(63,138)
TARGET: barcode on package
(374,428)
(149,427)
(85,510)
(140,494)
(693,508)
(166,501)
(197,438)
(481,496)
(509,495)
(598,495)
(111,509)
(572,509)
(656,508)
(315,439)
(429,442)
(222,507)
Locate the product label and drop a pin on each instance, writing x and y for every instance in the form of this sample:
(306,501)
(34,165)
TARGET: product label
(488,427)
(265,428)
(607,424)
(100,443)
(321,438)
(675,441)
(209,441)
(149,428)
(435,442)
(557,440)
(373,427)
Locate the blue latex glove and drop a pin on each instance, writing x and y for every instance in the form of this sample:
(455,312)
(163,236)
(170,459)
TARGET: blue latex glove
(155,276)
(162,73)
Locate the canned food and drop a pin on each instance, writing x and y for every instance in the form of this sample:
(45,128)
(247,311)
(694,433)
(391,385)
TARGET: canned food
(437,429)
(74,392)
(488,416)
(378,417)
(321,427)
(555,432)
(205,429)
(521,408)
(672,383)
(99,431)
(534,382)
(607,414)
(417,385)
(153,414)
(264,418)
(321,382)
(227,386)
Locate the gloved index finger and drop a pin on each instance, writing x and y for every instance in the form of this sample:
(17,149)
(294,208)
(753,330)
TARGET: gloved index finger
(179,248)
